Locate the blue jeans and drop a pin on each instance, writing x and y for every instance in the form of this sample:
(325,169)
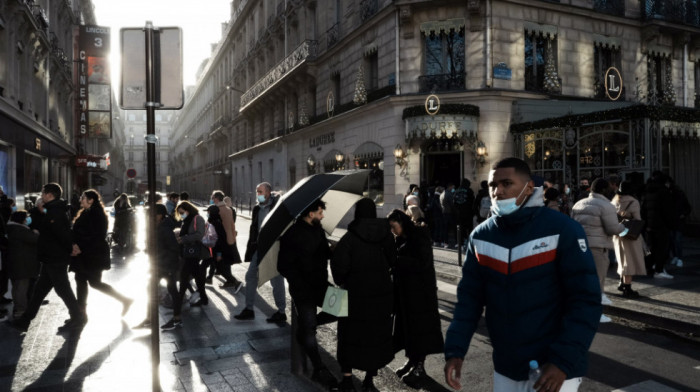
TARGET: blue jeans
(677,244)
(251,286)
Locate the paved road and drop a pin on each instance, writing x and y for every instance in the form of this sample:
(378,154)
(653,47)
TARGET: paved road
(214,352)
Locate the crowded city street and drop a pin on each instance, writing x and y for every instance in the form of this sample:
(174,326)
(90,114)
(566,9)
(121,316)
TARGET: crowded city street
(652,346)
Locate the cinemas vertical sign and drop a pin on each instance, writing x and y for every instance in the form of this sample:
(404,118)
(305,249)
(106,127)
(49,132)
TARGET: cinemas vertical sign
(94,83)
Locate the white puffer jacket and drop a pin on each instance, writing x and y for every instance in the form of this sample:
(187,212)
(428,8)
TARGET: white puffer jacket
(598,217)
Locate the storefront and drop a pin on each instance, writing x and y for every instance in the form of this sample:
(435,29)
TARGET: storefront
(631,142)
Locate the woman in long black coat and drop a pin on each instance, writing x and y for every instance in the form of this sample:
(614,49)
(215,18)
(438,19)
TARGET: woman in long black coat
(21,259)
(361,264)
(417,323)
(91,251)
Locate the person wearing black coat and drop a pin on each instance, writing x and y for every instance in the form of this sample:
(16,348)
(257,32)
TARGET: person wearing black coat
(361,264)
(303,261)
(657,213)
(54,249)
(91,252)
(417,327)
(21,259)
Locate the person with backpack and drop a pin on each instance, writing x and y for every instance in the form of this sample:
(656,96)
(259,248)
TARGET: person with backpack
(437,229)
(482,202)
(463,202)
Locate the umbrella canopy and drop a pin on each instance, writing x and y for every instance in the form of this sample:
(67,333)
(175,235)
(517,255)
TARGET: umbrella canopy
(339,190)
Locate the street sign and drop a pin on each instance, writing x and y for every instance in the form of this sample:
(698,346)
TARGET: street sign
(167,61)
(131,173)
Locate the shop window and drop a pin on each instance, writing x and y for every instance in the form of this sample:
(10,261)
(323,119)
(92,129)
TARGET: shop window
(34,171)
(5,164)
(541,63)
(661,90)
(371,156)
(443,64)
(333,161)
(604,57)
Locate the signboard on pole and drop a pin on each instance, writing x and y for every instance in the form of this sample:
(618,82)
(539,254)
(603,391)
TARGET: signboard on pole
(167,63)
(94,88)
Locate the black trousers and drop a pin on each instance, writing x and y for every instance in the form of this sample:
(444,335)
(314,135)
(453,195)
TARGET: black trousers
(309,320)
(659,244)
(191,267)
(53,276)
(94,278)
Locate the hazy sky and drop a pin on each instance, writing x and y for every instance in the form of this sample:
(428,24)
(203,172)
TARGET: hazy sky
(200,22)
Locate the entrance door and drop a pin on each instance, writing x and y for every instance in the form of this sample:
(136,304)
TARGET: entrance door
(442,168)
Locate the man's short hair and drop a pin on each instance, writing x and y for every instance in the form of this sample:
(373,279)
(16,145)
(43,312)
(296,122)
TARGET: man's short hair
(265,185)
(53,189)
(173,195)
(520,166)
(600,185)
(313,207)
(219,195)
(184,196)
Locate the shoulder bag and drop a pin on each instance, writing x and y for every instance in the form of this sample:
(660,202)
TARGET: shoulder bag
(635,226)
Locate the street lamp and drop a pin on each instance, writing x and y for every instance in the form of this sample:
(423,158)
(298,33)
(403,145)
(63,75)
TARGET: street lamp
(400,156)
(229,87)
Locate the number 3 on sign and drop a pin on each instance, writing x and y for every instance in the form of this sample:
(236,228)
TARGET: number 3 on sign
(98,42)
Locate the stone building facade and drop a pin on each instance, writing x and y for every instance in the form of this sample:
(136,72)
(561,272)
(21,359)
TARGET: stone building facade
(301,87)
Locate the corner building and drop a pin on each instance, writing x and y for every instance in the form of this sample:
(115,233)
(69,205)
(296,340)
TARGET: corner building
(301,87)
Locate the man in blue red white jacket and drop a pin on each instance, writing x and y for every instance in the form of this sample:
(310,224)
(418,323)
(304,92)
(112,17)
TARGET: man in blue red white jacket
(531,268)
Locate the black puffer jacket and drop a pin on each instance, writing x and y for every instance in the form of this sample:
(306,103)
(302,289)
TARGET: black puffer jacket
(90,232)
(657,208)
(303,261)
(55,243)
(168,248)
(361,264)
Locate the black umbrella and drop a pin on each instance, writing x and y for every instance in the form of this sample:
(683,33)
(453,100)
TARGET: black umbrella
(340,190)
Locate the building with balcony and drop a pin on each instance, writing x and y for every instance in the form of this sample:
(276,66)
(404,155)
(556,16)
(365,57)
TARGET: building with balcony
(135,177)
(431,92)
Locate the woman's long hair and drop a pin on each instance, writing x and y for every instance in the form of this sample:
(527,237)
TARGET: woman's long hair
(123,201)
(97,205)
(188,207)
(408,228)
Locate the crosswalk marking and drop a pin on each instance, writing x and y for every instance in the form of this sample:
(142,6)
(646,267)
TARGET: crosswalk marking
(647,386)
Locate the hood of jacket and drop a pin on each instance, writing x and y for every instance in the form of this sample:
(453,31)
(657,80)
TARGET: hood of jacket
(373,230)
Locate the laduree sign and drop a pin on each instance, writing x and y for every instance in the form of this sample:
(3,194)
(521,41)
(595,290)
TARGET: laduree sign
(613,83)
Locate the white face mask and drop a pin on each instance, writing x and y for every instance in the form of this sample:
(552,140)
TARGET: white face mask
(507,206)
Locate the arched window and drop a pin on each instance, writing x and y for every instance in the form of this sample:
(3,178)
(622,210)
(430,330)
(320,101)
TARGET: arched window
(370,156)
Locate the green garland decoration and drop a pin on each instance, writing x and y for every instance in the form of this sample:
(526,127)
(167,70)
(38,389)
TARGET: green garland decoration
(446,108)
(656,113)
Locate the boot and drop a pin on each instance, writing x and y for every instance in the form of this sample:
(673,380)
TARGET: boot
(621,285)
(627,292)
(403,370)
(368,385)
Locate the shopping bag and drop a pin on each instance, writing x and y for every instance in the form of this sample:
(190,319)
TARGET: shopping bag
(210,236)
(336,301)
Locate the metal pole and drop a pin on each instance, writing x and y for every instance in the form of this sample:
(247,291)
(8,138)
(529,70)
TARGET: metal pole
(151,159)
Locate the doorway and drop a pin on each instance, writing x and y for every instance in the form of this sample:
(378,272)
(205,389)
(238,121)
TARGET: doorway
(442,168)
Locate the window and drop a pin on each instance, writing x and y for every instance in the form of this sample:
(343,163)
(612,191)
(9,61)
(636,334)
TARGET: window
(541,63)
(443,67)
(372,67)
(661,90)
(335,85)
(370,156)
(604,58)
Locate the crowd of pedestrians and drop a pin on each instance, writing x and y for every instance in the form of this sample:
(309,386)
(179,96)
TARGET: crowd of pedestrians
(516,236)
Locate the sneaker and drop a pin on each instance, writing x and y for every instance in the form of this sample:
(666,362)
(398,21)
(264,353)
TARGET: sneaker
(663,275)
(201,302)
(170,325)
(605,319)
(277,317)
(604,300)
(194,297)
(246,314)
(209,280)
(72,324)
(324,377)
(403,370)
(238,288)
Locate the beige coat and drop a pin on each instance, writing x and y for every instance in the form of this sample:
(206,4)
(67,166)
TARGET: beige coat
(227,221)
(630,253)
(598,217)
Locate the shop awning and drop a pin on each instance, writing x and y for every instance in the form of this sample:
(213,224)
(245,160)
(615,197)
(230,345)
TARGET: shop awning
(448,125)
(368,150)
(679,129)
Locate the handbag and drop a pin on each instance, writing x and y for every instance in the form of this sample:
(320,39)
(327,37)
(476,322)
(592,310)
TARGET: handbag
(635,227)
(210,236)
(192,250)
(336,301)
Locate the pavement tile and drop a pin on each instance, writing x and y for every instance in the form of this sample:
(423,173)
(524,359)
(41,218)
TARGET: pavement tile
(205,353)
(220,387)
(270,344)
(228,350)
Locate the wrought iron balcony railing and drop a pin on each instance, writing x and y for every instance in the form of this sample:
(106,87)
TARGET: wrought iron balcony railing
(676,11)
(610,7)
(442,82)
(307,50)
(367,9)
